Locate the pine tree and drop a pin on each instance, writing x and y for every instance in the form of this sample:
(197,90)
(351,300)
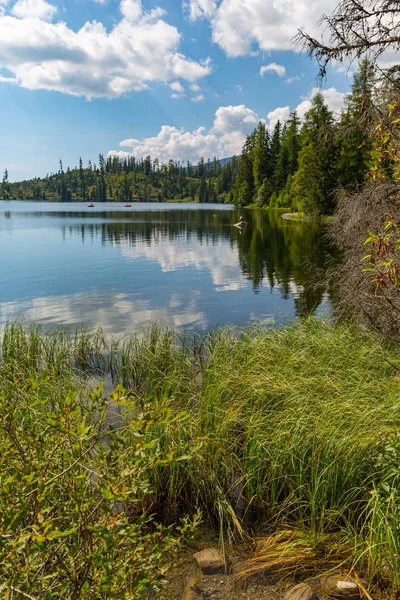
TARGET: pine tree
(82,181)
(260,155)
(202,195)
(313,183)
(244,186)
(64,196)
(291,141)
(5,188)
(354,140)
(275,147)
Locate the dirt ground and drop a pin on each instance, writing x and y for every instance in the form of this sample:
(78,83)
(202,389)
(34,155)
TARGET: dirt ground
(228,587)
(224,586)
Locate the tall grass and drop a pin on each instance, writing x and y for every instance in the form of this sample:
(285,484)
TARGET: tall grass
(286,427)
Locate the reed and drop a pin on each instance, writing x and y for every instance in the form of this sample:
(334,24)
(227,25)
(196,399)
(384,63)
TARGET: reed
(289,427)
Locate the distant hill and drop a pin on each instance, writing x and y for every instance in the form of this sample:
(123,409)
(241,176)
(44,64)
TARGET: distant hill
(225,161)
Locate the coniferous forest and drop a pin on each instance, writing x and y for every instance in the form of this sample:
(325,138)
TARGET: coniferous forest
(298,165)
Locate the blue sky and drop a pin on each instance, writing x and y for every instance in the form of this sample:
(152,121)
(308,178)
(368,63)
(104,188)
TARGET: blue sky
(168,78)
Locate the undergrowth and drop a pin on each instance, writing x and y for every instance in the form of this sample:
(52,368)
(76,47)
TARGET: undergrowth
(260,430)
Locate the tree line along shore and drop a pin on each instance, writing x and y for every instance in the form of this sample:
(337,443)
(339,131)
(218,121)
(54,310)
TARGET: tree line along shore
(298,165)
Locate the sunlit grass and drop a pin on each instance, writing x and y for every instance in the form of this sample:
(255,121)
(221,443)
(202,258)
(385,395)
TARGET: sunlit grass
(286,426)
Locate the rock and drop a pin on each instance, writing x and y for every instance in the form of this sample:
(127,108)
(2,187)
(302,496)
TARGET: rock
(192,591)
(339,587)
(302,591)
(210,561)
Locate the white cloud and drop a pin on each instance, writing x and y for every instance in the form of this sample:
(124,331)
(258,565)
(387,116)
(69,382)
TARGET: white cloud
(177,87)
(34,9)
(199,8)
(226,137)
(239,88)
(239,25)
(239,117)
(198,98)
(234,123)
(131,9)
(279,114)
(333,98)
(291,79)
(8,80)
(278,69)
(93,62)
(194,87)
(176,96)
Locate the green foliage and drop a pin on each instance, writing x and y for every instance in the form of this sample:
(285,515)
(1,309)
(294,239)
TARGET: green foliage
(291,426)
(313,182)
(128,179)
(382,528)
(75,497)
(383,259)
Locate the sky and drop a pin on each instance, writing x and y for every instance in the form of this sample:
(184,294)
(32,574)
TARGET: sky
(170,78)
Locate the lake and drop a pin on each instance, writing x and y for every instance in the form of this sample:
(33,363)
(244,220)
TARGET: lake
(182,264)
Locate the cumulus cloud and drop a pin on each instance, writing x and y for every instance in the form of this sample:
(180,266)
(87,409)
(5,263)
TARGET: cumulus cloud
(131,9)
(239,25)
(194,87)
(225,138)
(177,87)
(279,114)
(278,69)
(333,98)
(92,62)
(34,9)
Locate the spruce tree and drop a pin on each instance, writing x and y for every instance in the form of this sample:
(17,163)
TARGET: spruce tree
(5,188)
(244,185)
(313,183)
(353,139)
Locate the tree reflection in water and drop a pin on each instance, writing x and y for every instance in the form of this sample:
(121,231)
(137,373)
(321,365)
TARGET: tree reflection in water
(273,252)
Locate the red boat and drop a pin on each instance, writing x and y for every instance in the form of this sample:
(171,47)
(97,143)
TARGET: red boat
(127,205)
(91,205)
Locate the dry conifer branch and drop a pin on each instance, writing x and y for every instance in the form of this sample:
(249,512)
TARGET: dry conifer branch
(356,29)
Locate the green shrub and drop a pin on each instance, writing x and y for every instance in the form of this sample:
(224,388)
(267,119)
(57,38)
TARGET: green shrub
(75,498)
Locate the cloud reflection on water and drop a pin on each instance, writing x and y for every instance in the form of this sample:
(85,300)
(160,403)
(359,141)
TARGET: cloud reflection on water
(116,312)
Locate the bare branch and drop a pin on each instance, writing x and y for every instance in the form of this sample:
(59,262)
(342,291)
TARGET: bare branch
(355,29)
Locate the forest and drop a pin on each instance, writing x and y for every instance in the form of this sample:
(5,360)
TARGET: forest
(298,165)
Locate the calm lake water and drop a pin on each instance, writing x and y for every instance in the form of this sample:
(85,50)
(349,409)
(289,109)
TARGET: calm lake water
(184,264)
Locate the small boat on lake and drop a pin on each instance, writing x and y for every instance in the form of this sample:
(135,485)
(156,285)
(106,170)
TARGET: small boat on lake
(91,205)
(127,205)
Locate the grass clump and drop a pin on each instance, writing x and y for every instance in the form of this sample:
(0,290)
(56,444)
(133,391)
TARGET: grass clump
(286,428)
